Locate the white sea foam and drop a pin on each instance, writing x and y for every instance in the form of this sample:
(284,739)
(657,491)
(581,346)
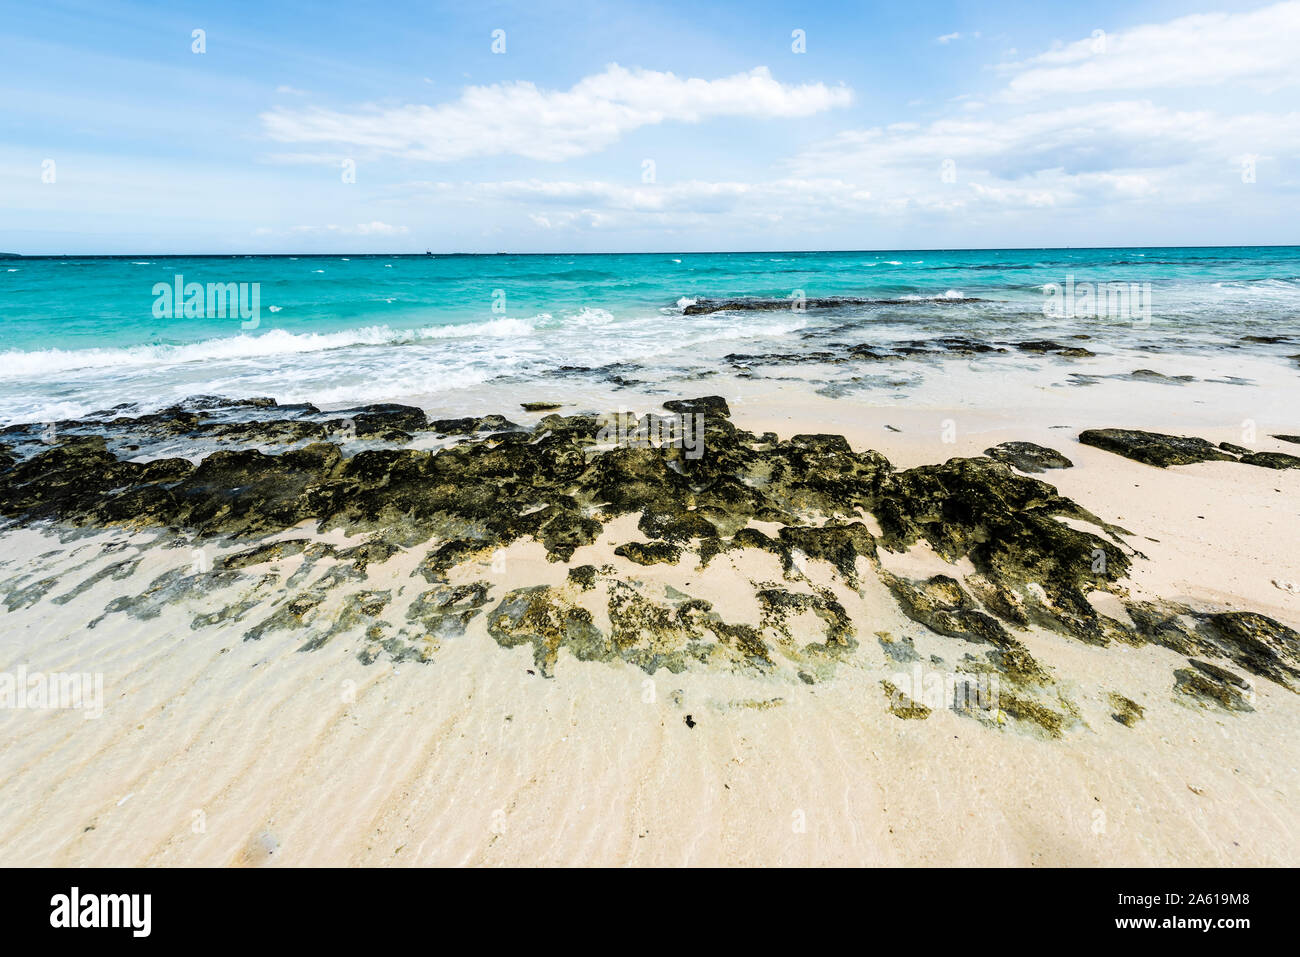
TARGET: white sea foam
(591,316)
(381,388)
(1278,284)
(950,294)
(16,364)
(496,327)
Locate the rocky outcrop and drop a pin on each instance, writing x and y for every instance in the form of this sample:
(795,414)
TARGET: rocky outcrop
(1035,558)
(1028,457)
(1154,448)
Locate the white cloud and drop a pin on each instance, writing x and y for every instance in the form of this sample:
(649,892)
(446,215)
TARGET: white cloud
(598,203)
(521,119)
(375,228)
(1132,153)
(290,91)
(1100,153)
(1257,48)
(1119,150)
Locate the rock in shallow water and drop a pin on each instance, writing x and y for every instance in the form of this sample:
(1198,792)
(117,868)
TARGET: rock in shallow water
(1211,685)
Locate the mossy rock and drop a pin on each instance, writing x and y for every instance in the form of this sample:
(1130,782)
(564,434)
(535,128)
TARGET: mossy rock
(1154,448)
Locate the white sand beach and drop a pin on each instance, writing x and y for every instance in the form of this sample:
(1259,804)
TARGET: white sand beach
(213,750)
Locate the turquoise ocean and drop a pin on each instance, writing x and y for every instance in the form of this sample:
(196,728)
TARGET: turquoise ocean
(82,334)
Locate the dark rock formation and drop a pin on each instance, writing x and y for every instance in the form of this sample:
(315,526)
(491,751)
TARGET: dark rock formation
(1209,684)
(1028,457)
(808,500)
(1271,460)
(1154,448)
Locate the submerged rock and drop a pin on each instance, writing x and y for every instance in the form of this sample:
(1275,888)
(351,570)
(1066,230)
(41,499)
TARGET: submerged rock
(706,306)
(1048,346)
(1209,684)
(1256,643)
(1150,375)
(943,606)
(1127,711)
(542,618)
(899,649)
(901,706)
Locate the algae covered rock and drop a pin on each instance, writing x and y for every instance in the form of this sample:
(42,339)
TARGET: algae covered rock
(651,553)
(1154,448)
(706,405)
(1056,348)
(1271,460)
(827,512)
(541,617)
(1036,567)
(1127,711)
(943,606)
(1028,457)
(1257,644)
(1208,684)
(901,706)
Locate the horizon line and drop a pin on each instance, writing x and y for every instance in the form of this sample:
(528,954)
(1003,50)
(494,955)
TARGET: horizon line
(647,252)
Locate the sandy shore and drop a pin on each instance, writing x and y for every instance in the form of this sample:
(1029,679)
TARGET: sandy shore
(214,750)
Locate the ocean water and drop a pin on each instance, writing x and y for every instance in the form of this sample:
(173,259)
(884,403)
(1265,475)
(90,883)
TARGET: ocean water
(87,333)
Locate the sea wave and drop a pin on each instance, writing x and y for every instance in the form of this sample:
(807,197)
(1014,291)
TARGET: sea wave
(591,316)
(1287,283)
(949,295)
(17,364)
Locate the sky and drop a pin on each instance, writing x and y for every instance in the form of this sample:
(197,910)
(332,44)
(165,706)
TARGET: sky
(137,128)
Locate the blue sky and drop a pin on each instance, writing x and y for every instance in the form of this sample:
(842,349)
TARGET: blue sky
(645,126)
